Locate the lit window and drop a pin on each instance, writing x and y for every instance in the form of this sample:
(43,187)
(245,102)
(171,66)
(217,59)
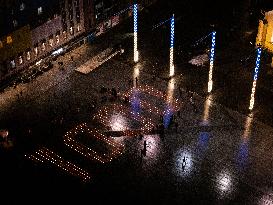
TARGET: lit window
(36,51)
(20,59)
(12,63)
(40,10)
(64,34)
(57,38)
(71,30)
(43,46)
(9,39)
(28,55)
(22,6)
(1,44)
(51,42)
(78,28)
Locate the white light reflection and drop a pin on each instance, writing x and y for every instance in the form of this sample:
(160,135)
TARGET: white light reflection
(224,183)
(182,168)
(153,146)
(118,123)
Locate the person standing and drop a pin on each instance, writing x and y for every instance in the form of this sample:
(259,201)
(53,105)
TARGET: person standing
(136,81)
(176,126)
(180,92)
(145,148)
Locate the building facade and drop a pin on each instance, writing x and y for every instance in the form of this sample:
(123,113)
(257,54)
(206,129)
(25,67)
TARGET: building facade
(33,29)
(39,30)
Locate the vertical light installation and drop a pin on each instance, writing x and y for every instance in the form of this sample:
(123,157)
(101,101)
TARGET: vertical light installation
(171,47)
(211,61)
(135,33)
(258,59)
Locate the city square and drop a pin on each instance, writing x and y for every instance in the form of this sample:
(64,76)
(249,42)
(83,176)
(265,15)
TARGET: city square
(105,126)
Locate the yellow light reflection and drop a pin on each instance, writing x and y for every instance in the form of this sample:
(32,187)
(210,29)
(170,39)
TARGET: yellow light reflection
(170,90)
(206,110)
(247,130)
(136,73)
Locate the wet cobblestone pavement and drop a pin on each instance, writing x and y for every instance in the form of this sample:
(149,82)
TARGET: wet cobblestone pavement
(216,155)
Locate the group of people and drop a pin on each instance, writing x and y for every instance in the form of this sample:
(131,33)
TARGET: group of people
(113,93)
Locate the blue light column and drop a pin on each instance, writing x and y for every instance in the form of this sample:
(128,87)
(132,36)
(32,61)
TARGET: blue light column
(210,82)
(256,71)
(135,33)
(171,47)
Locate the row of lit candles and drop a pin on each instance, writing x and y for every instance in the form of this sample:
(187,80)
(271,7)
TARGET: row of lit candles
(93,132)
(170,100)
(70,141)
(82,146)
(45,155)
(104,118)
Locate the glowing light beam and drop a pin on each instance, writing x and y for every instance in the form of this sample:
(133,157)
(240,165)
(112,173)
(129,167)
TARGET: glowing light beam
(171,47)
(256,71)
(210,83)
(135,33)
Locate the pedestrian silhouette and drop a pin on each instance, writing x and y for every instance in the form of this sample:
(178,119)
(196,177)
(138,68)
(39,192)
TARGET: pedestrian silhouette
(184,163)
(176,126)
(145,146)
(178,113)
(136,81)
(180,92)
